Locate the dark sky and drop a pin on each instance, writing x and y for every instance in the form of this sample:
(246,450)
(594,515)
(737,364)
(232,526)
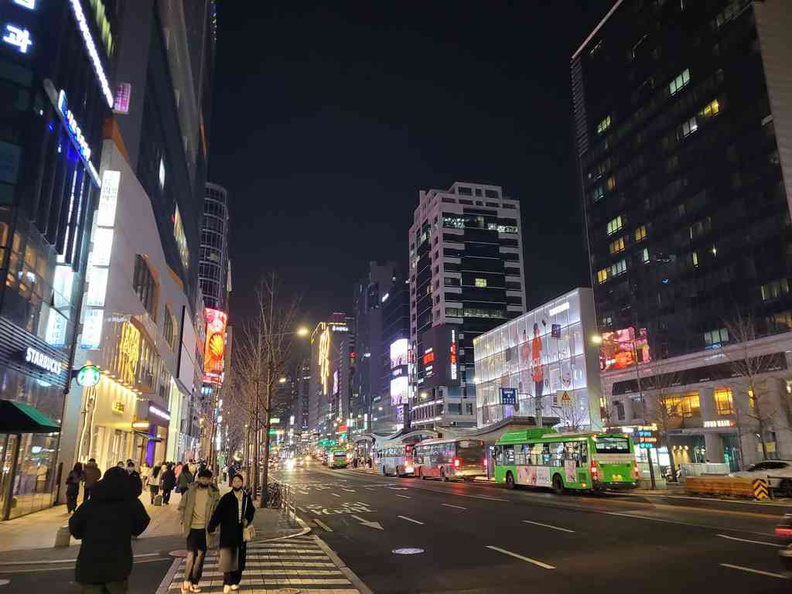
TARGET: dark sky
(328,121)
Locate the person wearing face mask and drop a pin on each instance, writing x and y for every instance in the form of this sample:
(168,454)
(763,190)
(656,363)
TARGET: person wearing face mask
(234,513)
(196,507)
(135,484)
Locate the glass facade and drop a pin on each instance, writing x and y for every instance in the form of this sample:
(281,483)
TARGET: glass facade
(213,267)
(540,360)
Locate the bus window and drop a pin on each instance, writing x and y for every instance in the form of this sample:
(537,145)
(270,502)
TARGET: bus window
(508,454)
(470,451)
(612,445)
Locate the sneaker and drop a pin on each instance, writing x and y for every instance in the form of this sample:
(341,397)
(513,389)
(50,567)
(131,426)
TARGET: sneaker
(194,588)
(185,587)
(235,587)
(226,589)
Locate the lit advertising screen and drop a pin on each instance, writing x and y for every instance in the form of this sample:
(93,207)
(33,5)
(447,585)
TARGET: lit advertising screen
(399,390)
(621,347)
(399,351)
(214,352)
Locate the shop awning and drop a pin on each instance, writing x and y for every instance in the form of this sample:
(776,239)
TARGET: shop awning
(18,417)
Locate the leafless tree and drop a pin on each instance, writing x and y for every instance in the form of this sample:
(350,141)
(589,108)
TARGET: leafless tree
(572,417)
(750,372)
(663,405)
(262,355)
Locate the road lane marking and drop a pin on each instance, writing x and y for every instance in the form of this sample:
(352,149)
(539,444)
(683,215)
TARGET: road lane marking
(348,490)
(410,520)
(368,523)
(516,556)
(749,570)
(454,506)
(323,525)
(335,494)
(549,526)
(767,544)
(403,496)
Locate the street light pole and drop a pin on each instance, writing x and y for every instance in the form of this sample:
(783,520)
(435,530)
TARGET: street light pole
(652,479)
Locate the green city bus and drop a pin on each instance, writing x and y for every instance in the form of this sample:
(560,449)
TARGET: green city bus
(338,458)
(561,461)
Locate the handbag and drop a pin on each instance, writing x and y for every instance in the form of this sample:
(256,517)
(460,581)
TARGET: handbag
(248,533)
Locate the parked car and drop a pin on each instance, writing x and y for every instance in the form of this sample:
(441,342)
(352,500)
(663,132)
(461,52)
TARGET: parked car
(778,474)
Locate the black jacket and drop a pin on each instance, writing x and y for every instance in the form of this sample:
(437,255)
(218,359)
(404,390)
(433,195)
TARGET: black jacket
(226,515)
(168,480)
(91,474)
(135,484)
(105,524)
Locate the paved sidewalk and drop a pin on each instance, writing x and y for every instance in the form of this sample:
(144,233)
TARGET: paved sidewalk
(37,530)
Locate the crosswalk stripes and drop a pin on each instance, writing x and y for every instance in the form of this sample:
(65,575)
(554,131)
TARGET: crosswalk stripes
(277,566)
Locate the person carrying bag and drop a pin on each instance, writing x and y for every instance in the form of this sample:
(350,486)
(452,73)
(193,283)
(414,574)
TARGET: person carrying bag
(234,514)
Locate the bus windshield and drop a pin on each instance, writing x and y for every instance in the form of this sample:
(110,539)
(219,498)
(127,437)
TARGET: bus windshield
(612,445)
(470,450)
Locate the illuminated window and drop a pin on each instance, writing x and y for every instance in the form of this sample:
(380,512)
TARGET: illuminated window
(162,173)
(169,328)
(716,338)
(724,403)
(711,109)
(598,193)
(644,255)
(619,268)
(602,275)
(679,82)
(774,289)
(686,405)
(688,127)
(615,225)
(604,125)
(617,246)
(640,233)
(611,183)
(481,282)
(145,286)
(181,239)
(695,258)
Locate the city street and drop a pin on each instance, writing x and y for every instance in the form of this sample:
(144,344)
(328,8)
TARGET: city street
(482,538)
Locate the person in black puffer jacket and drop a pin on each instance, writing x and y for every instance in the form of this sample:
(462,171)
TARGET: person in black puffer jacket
(106,524)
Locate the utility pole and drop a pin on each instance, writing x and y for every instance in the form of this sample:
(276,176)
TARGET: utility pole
(652,479)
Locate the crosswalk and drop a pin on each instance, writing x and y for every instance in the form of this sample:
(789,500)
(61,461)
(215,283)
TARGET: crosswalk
(290,565)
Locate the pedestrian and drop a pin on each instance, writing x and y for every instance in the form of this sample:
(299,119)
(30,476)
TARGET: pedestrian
(73,486)
(192,467)
(91,474)
(234,514)
(135,484)
(106,525)
(186,478)
(145,473)
(167,483)
(154,481)
(196,507)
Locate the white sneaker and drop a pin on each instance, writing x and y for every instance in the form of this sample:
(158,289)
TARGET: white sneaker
(185,587)
(226,589)
(235,587)
(194,588)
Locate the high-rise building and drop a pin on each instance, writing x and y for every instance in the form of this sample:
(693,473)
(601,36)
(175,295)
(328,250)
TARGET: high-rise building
(331,378)
(389,408)
(371,293)
(143,321)
(55,60)
(466,277)
(684,135)
(214,271)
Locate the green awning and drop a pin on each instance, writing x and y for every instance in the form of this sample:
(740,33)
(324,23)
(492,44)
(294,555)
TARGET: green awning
(18,417)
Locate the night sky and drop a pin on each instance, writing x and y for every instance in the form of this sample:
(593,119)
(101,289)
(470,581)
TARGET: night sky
(328,121)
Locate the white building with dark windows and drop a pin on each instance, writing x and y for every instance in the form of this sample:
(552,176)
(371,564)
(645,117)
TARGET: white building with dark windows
(466,277)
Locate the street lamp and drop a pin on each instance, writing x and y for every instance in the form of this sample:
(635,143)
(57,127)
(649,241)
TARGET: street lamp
(282,380)
(302,331)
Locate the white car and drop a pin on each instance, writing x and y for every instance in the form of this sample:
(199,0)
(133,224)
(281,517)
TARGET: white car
(777,472)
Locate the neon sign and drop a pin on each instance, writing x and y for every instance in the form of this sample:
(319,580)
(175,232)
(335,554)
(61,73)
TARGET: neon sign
(96,61)
(453,355)
(77,136)
(18,37)
(215,344)
(43,361)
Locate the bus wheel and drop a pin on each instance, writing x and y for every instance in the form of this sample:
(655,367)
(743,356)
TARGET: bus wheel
(558,484)
(510,480)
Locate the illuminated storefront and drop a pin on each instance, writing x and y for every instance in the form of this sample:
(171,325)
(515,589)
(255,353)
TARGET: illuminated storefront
(544,361)
(48,188)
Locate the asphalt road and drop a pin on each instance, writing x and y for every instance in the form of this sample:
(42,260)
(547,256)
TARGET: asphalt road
(482,538)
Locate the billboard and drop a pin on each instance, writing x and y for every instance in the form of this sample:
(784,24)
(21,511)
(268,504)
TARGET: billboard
(214,351)
(621,347)
(399,390)
(399,352)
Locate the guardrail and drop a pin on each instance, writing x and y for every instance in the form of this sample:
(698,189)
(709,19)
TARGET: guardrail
(282,496)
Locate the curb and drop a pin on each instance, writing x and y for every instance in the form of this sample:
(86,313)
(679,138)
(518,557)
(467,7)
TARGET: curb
(351,575)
